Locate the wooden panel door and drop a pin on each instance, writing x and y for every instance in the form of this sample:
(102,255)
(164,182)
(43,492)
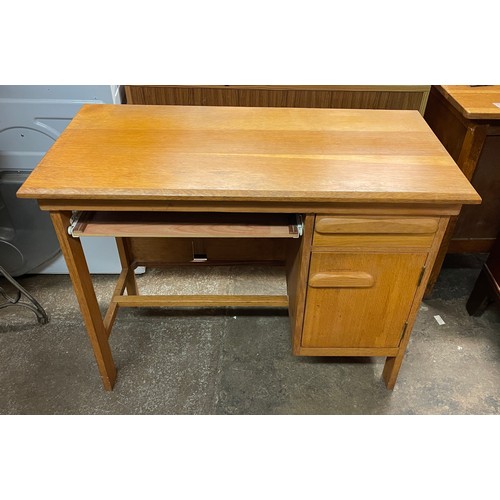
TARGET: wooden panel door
(359,300)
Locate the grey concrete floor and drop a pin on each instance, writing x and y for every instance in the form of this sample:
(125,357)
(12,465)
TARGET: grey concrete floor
(231,361)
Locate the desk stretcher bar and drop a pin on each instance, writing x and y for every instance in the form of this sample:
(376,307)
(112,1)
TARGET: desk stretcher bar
(201,300)
(136,300)
(182,225)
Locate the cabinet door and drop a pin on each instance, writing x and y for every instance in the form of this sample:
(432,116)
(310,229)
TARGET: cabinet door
(359,300)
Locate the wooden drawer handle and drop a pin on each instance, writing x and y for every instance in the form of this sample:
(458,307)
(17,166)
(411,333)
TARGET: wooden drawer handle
(339,225)
(342,279)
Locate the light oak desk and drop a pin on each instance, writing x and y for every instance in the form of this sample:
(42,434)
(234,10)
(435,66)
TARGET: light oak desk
(373,190)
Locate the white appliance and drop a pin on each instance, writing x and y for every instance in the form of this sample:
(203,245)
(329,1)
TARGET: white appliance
(31,119)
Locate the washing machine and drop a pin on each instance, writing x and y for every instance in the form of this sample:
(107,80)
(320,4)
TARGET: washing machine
(31,119)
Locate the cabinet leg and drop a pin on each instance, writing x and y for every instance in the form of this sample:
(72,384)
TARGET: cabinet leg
(391,370)
(480,297)
(84,290)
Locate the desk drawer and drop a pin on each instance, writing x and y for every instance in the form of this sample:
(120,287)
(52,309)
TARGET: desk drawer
(372,232)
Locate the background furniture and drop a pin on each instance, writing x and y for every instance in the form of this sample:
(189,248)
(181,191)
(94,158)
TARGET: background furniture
(466,119)
(297,96)
(487,287)
(183,184)
(32,303)
(31,118)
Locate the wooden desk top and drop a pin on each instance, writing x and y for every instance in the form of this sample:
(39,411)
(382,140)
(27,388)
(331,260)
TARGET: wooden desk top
(125,153)
(475,103)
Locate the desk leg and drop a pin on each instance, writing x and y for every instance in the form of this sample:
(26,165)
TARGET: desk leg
(482,294)
(393,364)
(126,261)
(84,290)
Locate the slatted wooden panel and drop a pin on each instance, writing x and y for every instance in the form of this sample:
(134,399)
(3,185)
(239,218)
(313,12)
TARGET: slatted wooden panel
(297,96)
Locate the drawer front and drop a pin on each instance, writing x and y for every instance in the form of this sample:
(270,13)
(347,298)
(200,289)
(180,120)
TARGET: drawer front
(359,300)
(372,232)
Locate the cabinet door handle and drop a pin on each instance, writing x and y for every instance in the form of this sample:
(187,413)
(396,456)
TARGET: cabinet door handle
(342,279)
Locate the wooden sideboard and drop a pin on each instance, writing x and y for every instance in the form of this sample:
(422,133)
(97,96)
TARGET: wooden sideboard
(466,119)
(353,203)
(297,96)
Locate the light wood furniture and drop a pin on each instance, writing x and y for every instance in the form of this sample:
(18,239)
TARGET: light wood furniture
(466,119)
(296,96)
(373,190)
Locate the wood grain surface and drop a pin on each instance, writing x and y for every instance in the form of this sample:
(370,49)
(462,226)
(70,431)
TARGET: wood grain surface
(372,225)
(201,300)
(120,152)
(295,96)
(371,316)
(177,225)
(85,293)
(376,241)
(341,279)
(475,103)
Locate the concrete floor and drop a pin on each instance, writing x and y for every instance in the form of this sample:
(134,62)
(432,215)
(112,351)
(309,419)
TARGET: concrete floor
(239,361)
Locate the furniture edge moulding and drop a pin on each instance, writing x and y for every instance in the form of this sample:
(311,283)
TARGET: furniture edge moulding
(333,207)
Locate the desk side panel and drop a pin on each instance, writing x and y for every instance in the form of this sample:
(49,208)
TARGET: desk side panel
(297,272)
